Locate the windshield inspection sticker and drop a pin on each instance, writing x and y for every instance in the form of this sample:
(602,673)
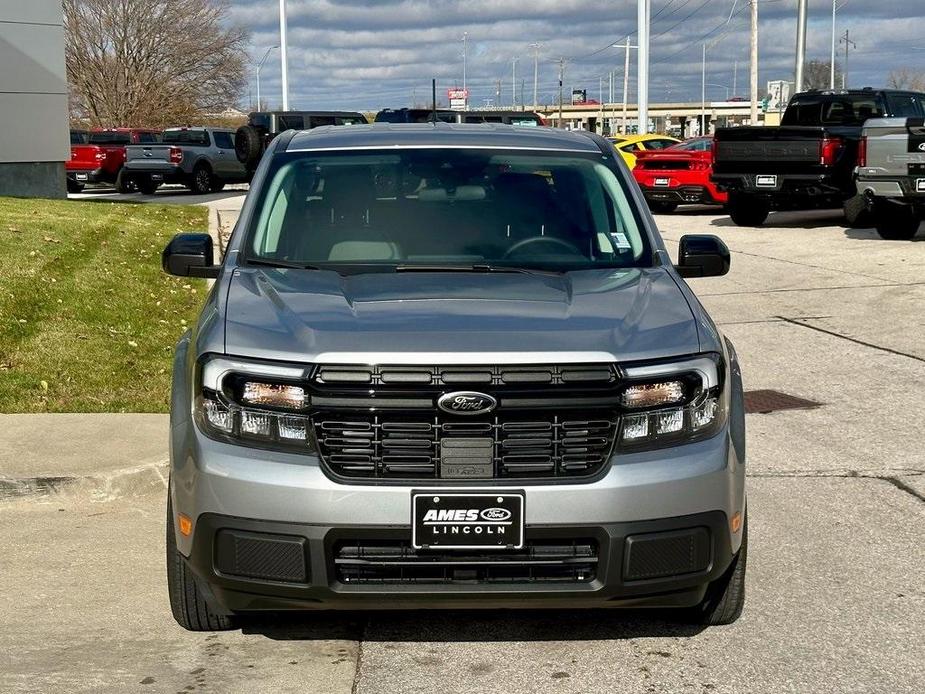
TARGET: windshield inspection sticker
(620,241)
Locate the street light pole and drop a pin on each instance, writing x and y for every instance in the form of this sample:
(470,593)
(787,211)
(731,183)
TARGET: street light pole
(465,40)
(832,58)
(514,83)
(753,67)
(284,58)
(536,71)
(260,67)
(703,93)
(644,10)
(801,44)
(626,78)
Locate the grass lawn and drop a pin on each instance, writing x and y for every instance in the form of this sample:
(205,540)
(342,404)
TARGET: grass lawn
(88,321)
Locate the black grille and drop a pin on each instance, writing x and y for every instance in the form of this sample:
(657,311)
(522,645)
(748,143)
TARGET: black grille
(536,444)
(394,562)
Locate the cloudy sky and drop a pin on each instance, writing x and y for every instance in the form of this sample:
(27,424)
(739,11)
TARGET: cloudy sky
(367,54)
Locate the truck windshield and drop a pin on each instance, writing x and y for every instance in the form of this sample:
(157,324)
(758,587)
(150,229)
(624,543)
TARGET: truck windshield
(449,207)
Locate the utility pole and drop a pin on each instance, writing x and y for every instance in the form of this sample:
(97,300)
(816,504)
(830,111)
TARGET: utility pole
(735,76)
(561,71)
(832,59)
(498,91)
(644,14)
(801,45)
(514,82)
(753,68)
(626,78)
(844,73)
(465,40)
(284,56)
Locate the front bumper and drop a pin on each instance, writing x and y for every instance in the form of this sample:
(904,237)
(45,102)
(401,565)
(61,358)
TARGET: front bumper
(618,578)
(225,486)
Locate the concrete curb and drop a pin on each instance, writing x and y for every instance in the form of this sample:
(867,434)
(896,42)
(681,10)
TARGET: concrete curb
(132,481)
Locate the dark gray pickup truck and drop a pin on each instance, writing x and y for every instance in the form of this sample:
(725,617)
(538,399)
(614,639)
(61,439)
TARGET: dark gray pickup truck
(808,162)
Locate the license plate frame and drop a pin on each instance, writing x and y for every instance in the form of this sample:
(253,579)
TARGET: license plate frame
(81,177)
(157,177)
(920,185)
(492,511)
(766,181)
(662,182)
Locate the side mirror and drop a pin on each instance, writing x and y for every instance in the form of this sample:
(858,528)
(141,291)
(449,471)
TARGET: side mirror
(702,255)
(190,255)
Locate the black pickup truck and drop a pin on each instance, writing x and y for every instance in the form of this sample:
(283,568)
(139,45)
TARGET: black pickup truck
(808,162)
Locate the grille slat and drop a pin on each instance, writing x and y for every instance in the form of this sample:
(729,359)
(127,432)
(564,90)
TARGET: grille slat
(515,448)
(393,562)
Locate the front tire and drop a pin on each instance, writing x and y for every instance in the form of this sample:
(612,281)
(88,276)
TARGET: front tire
(725,597)
(201,180)
(747,211)
(896,221)
(189,607)
(217,185)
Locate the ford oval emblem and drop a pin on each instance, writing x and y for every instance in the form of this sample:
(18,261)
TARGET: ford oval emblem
(495,514)
(922,147)
(466,402)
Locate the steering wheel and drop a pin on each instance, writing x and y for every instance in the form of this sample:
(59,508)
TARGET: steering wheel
(548,240)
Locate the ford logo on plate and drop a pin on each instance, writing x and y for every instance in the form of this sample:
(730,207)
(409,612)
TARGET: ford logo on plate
(495,514)
(466,402)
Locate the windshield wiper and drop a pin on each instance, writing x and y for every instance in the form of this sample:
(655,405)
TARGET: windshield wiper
(476,267)
(271,262)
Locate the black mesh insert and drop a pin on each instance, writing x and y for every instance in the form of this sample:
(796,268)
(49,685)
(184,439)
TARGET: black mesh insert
(655,555)
(259,555)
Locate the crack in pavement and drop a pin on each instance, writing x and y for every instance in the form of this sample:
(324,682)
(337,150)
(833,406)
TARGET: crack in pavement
(357,675)
(814,289)
(856,341)
(852,474)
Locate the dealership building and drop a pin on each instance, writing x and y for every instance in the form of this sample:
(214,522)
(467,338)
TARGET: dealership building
(34,140)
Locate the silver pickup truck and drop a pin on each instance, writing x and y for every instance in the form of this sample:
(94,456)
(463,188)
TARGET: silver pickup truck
(891,174)
(203,159)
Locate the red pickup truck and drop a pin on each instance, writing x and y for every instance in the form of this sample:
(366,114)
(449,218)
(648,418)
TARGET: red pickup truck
(678,175)
(97,156)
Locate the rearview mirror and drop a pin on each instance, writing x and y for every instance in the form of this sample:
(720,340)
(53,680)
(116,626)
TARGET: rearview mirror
(702,255)
(190,255)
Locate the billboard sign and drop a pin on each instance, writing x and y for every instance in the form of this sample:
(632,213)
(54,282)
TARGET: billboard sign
(458,98)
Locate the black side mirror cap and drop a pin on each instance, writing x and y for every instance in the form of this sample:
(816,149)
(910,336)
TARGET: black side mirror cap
(190,255)
(702,255)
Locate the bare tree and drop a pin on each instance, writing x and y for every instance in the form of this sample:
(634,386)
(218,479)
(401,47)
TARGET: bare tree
(905,78)
(152,62)
(817,74)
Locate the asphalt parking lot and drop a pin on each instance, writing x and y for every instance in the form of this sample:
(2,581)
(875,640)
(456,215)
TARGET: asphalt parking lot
(836,496)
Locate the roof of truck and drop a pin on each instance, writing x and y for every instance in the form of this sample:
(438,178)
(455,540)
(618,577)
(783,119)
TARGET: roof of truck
(454,135)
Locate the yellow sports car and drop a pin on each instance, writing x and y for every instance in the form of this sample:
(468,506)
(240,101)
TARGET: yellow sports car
(628,145)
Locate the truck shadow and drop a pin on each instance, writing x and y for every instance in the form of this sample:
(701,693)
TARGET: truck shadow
(474,626)
(812,219)
(872,235)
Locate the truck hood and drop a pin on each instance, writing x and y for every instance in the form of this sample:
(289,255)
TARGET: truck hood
(592,315)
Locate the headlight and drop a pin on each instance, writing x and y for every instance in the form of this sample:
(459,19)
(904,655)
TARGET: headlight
(670,403)
(252,404)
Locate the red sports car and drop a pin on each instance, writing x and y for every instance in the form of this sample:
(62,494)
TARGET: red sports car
(678,175)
